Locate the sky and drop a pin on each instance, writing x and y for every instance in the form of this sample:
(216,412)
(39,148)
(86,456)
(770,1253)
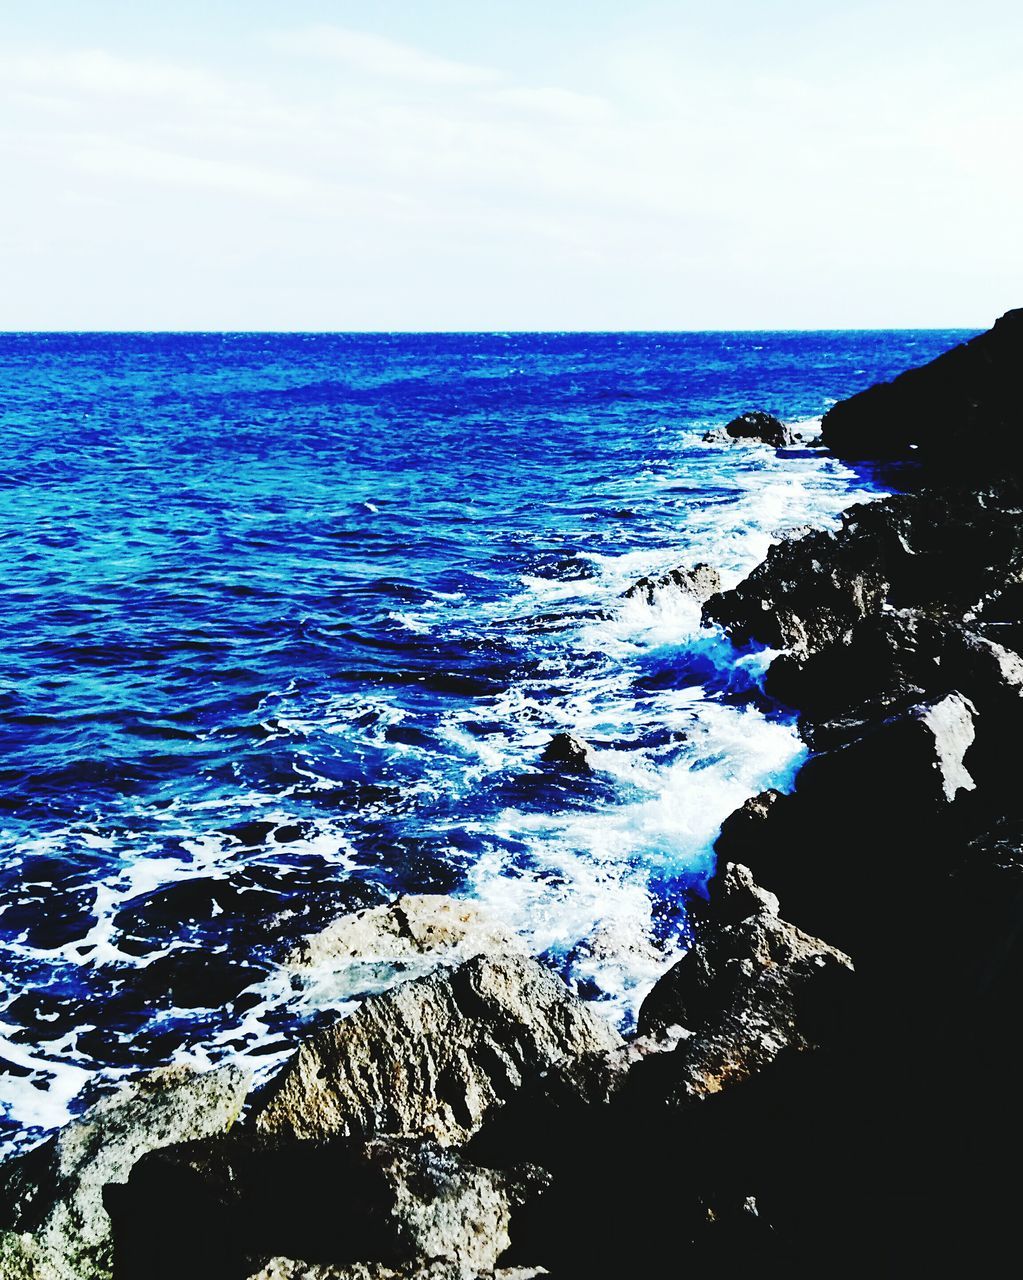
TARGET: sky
(547,164)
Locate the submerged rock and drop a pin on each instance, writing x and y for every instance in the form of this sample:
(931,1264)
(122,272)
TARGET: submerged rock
(51,1200)
(434,1056)
(398,1203)
(700,582)
(569,753)
(405,933)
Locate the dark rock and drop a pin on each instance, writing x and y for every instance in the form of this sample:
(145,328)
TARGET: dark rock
(51,1200)
(961,412)
(757,425)
(700,582)
(750,988)
(568,753)
(433,1056)
(209,1210)
(947,553)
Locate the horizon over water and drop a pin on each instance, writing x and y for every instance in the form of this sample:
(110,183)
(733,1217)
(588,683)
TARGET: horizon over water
(289,618)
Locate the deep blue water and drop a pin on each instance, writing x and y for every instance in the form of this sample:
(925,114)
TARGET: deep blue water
(287,621)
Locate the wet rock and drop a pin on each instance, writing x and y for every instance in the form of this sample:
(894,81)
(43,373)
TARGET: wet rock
(400,1203)
(54,1194)
(700,582)
(947,553)
(743,830)
(434,1056)
(757,425)
(960,413)
(569,753)
(416,932)
(748,990)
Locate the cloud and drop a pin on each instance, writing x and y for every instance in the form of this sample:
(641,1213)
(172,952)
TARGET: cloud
(377,56)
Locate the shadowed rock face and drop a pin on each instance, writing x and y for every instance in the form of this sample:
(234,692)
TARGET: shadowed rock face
(961,412)
(433,1056)
(51,1200)
(217,1207)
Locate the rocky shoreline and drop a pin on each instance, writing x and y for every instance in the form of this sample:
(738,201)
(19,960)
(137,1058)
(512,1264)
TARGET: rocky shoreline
(823,1082)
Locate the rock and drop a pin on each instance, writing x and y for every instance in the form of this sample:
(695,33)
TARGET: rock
(742,832)
(55,1192)
(433,1056)
(748,990)
(570,754)
(414,933)
(960,413)
(398,1203)
(700,582)
(290,1269)
(761,426)
(944,552)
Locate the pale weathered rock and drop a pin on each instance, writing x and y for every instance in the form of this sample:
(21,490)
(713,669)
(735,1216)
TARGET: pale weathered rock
(700,582)
(290,1269)
(430,927)
(51,1200)
(433,1056)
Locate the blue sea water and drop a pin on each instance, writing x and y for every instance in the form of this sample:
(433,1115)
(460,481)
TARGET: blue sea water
(288,620)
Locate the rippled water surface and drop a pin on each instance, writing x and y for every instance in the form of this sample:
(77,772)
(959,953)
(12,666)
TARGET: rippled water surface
(287,622)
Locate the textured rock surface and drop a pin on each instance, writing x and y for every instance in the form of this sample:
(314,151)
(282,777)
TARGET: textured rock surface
(751,987)
(700,582)
(55,1193)
(951,553)
(399,1203)
(290,1269)
(433,1056)
(430,926)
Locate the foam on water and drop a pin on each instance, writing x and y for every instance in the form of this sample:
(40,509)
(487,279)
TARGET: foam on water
(258,677)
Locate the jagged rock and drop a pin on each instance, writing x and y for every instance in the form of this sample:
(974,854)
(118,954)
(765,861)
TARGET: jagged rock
(290,1269)
(415,932)
(700,582)
(743,830)
(401,1203)
(569,753)
(433,1056)
(749,989)
(758,425)
(54,1194)
(948,553)
(960,412)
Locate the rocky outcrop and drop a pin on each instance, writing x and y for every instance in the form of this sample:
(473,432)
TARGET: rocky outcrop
(758,425)
(394,1203)
(567,753)
(951,554)
(434,1056)
(411,933)
(700,583)
(51,1200)
(751,988)
(960,413)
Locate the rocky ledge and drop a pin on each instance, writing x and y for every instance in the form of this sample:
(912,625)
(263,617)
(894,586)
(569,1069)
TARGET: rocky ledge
(824,1083)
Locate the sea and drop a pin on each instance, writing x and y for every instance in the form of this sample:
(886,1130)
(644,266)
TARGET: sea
(288,621)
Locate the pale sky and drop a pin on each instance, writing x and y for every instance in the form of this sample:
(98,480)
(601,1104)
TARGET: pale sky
(447,164)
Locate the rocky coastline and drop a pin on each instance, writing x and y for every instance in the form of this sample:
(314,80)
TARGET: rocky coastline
(824,1082)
